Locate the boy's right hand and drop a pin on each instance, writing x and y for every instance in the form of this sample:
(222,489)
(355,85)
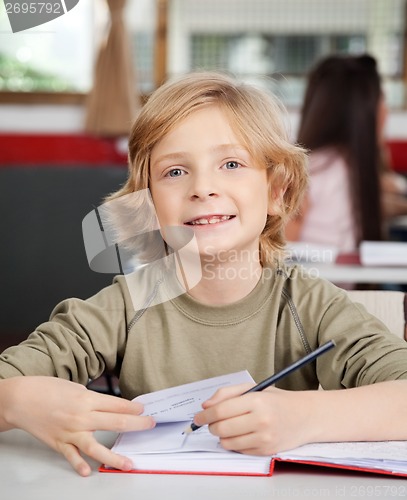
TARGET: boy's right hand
(64,415)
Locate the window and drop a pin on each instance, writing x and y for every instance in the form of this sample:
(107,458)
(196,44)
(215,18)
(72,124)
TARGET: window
(282,39)
(140,18)
(59,56)
(285,59)
(56,56)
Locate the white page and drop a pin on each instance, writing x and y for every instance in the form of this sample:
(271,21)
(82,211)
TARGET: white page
(180,403)
(375,450)
(167,438)
(202,462)
(381,455)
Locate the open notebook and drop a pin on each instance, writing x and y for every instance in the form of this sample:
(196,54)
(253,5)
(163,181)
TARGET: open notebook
(165,449)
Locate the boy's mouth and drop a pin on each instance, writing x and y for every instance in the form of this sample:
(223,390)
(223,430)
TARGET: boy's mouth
(209,219)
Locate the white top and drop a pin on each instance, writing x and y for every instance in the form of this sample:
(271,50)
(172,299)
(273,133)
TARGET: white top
(329,219)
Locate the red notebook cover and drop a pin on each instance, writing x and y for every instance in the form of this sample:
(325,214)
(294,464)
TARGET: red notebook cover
(273,462)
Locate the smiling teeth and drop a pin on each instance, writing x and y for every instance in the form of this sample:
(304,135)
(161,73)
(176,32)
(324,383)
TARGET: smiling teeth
(212,220)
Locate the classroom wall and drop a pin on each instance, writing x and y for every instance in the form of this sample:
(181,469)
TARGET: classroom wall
(41,118)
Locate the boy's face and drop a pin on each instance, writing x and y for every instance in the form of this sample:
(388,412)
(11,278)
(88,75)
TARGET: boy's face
(204,179)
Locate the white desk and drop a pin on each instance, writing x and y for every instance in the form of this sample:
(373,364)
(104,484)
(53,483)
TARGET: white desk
(31,471)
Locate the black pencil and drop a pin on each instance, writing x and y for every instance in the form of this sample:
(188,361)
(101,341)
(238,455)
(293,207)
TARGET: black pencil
(281,374)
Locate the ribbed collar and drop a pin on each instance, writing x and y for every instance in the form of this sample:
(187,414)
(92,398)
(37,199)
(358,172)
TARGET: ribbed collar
(229,314)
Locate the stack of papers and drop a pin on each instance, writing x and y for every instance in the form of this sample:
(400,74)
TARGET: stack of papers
(383,253)
(311,252)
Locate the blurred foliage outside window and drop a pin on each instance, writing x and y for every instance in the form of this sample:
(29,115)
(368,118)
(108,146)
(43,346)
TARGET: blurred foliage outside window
(16,76)
(59,56)
(53,57)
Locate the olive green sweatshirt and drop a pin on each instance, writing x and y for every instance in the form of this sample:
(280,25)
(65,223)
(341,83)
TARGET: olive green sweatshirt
(288,314)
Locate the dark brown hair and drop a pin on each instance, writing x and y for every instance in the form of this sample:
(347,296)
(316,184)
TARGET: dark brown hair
(340,110)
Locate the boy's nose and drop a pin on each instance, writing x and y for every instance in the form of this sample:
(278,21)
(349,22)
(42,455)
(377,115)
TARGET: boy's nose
(203,187)
(202,194)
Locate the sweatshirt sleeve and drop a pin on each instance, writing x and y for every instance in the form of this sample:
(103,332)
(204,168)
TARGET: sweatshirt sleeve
(81,340)
(366,351)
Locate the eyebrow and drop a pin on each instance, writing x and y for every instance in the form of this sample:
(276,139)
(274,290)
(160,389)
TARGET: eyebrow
(220,148)
(228,147)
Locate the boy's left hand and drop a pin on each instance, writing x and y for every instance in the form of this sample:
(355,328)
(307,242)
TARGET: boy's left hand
(257,423)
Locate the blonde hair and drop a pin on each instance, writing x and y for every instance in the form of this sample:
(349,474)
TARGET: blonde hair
(258,120)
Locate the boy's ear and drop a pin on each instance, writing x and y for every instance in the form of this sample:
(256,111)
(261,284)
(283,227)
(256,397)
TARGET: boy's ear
(276,198)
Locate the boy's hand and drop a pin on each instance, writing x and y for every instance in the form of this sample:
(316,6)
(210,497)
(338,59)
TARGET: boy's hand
(64,415)
(258,423)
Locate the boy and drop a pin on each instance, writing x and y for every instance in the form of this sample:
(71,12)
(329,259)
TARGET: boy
(217,161)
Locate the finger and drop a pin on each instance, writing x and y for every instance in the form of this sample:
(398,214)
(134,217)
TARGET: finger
(245,443)
(89,446)
(114,404)
(252,443)
(118,422)
(226,393)
(232,427)
(225,409)
(72,455)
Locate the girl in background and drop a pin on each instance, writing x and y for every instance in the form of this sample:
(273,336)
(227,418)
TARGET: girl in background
(342,126)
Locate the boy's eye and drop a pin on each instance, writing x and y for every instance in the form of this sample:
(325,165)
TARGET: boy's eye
(174,172)
(231,165)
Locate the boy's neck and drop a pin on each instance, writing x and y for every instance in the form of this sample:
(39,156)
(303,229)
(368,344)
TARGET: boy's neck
(225,283)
